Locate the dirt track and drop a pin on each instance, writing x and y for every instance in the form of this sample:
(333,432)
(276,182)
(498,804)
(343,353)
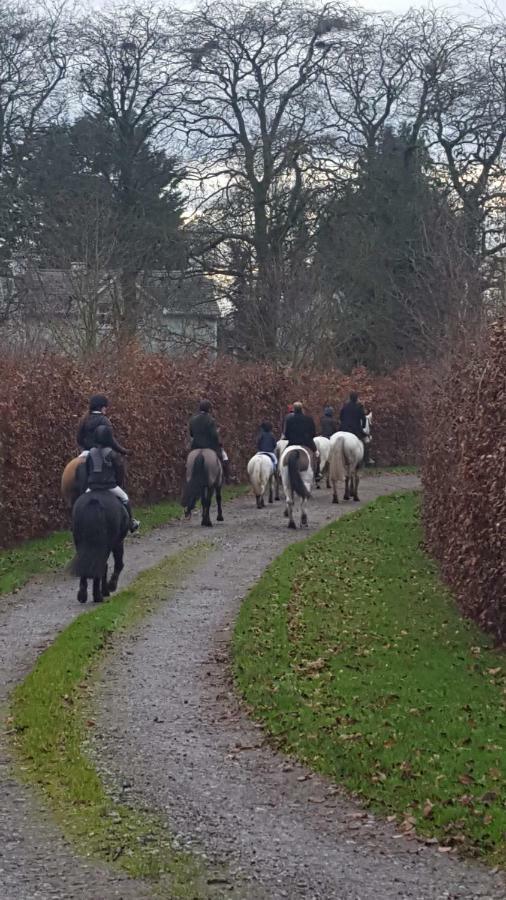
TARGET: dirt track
(170,727)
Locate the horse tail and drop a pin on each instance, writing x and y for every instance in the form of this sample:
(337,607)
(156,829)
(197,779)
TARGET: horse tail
(259,474)
(296,483)
(196,484)
(91,540)
(338,459)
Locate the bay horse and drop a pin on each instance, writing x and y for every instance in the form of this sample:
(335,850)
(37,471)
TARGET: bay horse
(297,478)
(261,473)
(99,527)
(70,488)
(204,477)
(346,456)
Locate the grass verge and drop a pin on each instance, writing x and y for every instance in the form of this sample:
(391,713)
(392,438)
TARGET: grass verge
(353,655)
(390,470)
(50,553)
(51,721)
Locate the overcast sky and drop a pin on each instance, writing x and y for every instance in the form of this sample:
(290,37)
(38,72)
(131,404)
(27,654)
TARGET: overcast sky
(466,6)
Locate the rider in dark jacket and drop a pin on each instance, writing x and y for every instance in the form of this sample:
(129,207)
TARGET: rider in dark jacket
(105,472)
(90,423)
(328,424)
(203,429)
(300,429)
(266,442)
(352,417)
(205,436)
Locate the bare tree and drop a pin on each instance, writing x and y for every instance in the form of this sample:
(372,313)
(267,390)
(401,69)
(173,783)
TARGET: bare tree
(130,81)
(251,120)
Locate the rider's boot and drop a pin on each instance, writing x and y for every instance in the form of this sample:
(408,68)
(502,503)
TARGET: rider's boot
(134,524)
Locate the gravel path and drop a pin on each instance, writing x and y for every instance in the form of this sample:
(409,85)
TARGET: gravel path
(171,728)
(36,863)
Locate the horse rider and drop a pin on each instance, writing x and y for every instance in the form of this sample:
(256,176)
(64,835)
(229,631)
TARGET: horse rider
(300,429)
(328,424)
(352,417)
(205,435)
(105,471)
(89,424)
(266,442)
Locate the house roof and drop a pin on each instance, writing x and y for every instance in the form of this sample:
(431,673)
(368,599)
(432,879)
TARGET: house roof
(177,294)
(174,294)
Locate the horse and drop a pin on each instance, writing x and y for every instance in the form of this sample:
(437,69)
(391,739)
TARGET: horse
(99,527)
(70,489)
(323,447)
(346,455)
(297,478)
(280,448)
(261,473)
(204,477)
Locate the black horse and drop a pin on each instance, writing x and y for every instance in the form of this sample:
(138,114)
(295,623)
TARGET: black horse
(99,526)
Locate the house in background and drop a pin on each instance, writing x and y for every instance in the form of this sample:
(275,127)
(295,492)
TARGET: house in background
(75,310)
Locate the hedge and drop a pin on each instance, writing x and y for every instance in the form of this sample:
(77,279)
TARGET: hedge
(151,399)
(464,478)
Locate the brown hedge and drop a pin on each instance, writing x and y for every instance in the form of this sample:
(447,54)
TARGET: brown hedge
(152,397)
(464,477)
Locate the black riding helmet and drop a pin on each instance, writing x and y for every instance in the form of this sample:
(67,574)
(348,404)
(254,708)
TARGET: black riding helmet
(98,401)
(102,436)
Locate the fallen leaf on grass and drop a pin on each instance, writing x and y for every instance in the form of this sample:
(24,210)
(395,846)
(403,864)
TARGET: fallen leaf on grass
(428,809)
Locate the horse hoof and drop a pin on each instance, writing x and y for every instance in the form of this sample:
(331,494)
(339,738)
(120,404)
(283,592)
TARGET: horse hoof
(356,499)
(82,597)
(317,487)
(271,500)
(220,519)
(98,599)
(303,523)
(285,514)
(335,500)
(292,525)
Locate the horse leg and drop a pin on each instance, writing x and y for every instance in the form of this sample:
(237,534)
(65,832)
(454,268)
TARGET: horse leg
(270,490)
(97,590)
(347,488)
(206,507)
(117,553)
(218,503)
(356,481)
(82,594)
(335,498)
(289,512)
(303,514)
(277,479)
(105,585)
(259,501)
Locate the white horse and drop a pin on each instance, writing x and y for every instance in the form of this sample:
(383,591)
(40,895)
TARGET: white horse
(323,447)
(280,447)
(261,472)
(297,479)
(346,455)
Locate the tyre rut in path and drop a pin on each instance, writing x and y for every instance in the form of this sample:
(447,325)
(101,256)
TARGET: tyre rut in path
(36,863)
(173,735)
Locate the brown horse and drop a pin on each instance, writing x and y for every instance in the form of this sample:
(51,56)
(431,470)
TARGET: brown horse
(69,486)
(204,476)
